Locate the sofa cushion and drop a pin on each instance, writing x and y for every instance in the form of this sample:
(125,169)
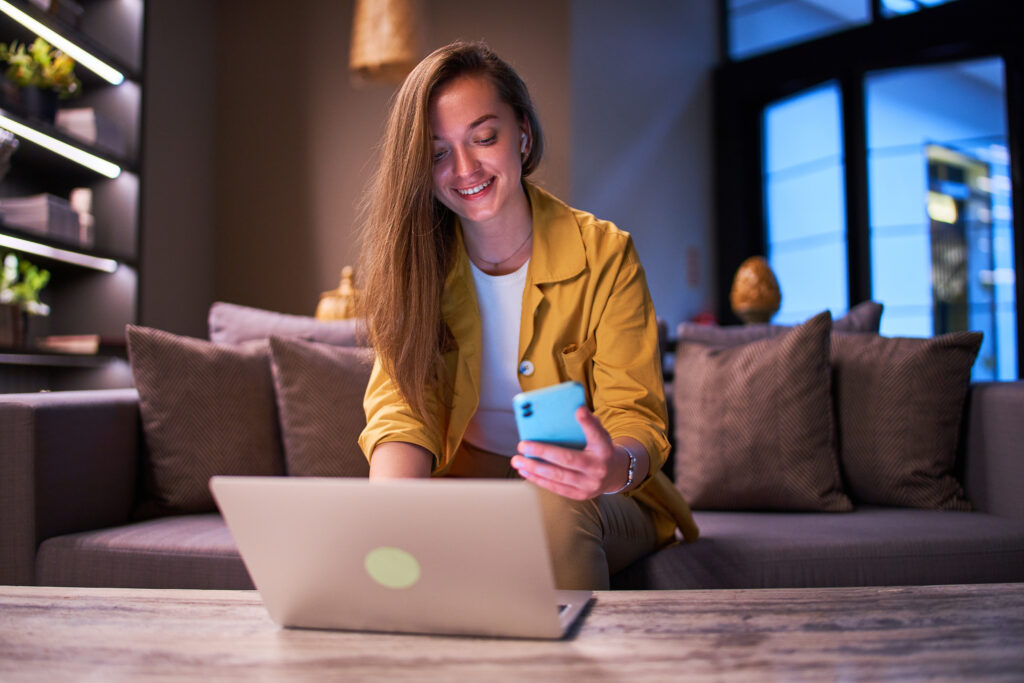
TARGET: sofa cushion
(864,317)
(871,547)
(206,409)
(899,404)
(234,324)
(754,425)
(190,551)
(319,391)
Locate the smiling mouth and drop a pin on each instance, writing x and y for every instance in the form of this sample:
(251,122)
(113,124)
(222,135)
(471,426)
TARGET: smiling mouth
(475,189)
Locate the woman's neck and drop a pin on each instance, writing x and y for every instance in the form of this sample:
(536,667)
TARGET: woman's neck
(503,244)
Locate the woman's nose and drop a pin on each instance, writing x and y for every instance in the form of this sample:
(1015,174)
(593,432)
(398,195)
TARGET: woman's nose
(465,162)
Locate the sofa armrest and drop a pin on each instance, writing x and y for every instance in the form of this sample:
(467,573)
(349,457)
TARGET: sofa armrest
(68,463)
(994,459)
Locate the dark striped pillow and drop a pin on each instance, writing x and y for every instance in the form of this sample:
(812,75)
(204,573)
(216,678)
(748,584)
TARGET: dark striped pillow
(319,391)
(754,425)
(899,403)
(206,409)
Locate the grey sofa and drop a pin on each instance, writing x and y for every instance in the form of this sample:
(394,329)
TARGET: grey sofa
(70,478)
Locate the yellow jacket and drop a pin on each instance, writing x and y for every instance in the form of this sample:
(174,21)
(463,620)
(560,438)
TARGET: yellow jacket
(587,316)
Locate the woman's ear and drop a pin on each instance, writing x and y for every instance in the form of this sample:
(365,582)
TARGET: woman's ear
(524,137)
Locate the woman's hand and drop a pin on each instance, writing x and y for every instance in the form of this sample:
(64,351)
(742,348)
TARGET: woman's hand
(599,468)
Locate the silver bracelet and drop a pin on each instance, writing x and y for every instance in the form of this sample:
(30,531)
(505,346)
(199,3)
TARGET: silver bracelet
(630,473)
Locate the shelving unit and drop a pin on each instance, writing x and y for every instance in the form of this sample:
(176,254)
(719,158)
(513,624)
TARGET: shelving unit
(92,290)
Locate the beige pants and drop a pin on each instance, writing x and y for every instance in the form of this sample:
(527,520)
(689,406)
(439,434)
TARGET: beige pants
(588,540)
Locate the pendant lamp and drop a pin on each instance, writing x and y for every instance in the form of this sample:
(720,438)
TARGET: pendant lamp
(385,40)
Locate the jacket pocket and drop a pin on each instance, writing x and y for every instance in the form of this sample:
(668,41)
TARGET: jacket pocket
(578,366)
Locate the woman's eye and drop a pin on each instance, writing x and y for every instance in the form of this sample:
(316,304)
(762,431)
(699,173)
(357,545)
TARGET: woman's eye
(487,141)
(439,155)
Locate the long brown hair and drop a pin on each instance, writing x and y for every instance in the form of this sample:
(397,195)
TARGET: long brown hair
(409,236)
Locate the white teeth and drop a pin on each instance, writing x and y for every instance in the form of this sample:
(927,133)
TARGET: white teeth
(473,190)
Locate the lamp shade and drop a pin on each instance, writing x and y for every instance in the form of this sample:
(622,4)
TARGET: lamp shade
(385,40)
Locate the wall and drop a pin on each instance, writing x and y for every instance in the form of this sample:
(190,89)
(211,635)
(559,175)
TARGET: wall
(177,246)
(641,136)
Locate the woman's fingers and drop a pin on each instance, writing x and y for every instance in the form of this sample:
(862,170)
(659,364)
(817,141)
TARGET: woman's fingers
(550,453)
(595,433)
(552,477)
(578,474)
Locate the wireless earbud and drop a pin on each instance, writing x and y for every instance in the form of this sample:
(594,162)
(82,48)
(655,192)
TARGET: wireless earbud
(522,147)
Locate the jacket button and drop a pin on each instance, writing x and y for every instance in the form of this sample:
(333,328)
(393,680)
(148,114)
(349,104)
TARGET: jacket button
(526,368)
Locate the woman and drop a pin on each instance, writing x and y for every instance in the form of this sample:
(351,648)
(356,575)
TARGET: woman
(478,285)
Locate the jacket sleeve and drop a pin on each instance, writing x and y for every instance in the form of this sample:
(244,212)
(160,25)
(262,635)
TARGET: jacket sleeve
(390,418)
(628,394)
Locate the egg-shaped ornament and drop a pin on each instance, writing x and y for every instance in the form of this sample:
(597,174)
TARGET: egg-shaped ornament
(755,295)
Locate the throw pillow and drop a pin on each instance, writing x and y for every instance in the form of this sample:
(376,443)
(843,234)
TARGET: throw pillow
(754,426)
(864,317)
(234,324)
(206,410)
(320,402)
(899,404)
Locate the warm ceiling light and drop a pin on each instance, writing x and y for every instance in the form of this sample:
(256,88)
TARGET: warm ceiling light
(29,247)
(385,40)
(94,64)
(91,161)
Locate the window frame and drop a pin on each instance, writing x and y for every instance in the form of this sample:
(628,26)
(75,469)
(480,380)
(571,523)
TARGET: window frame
(953,32)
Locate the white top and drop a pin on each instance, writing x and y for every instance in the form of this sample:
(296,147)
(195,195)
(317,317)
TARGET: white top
(500,301)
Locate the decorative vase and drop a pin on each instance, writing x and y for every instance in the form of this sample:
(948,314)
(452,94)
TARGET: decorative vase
(340,303)
(33,328)
(29,101)
(10,98)
(40,104)
(12,326)
(755,295)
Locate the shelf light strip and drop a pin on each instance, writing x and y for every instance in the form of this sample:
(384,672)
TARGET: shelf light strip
(94,64)
(91,161)
(105,265)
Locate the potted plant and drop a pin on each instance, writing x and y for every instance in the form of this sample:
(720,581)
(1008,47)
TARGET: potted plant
(37,75)
(20,284)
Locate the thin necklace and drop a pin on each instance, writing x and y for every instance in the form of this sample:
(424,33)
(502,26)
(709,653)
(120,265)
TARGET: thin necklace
(495,264)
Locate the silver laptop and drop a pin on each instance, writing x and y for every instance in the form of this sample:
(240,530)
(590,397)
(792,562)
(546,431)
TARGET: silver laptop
(415,556)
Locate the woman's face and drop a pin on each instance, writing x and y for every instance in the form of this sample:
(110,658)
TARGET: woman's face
(477,141)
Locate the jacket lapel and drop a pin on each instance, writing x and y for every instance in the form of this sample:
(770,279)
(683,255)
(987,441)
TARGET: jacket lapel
(557,255)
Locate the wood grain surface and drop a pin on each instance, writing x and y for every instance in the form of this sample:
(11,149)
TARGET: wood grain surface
(909,633)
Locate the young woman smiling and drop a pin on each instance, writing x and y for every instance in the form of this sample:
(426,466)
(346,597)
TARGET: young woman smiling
(477,284)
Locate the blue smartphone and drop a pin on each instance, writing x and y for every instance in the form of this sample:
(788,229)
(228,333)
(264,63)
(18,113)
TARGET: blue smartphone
(548,415)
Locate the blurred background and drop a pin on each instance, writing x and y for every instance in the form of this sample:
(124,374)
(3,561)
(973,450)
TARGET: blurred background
(869,149)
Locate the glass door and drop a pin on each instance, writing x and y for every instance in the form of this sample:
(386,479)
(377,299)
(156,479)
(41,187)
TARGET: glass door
(941,230)
(805,202)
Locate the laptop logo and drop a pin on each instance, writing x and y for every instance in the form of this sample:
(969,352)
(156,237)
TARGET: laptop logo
(392,567)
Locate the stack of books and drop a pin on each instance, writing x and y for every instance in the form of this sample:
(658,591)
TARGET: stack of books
(43,214)
(93,128)
(81,344)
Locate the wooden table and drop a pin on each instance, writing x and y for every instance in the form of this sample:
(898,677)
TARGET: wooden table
(946,632)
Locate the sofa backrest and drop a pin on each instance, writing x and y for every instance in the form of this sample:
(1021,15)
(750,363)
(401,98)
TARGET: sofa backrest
(993,448)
